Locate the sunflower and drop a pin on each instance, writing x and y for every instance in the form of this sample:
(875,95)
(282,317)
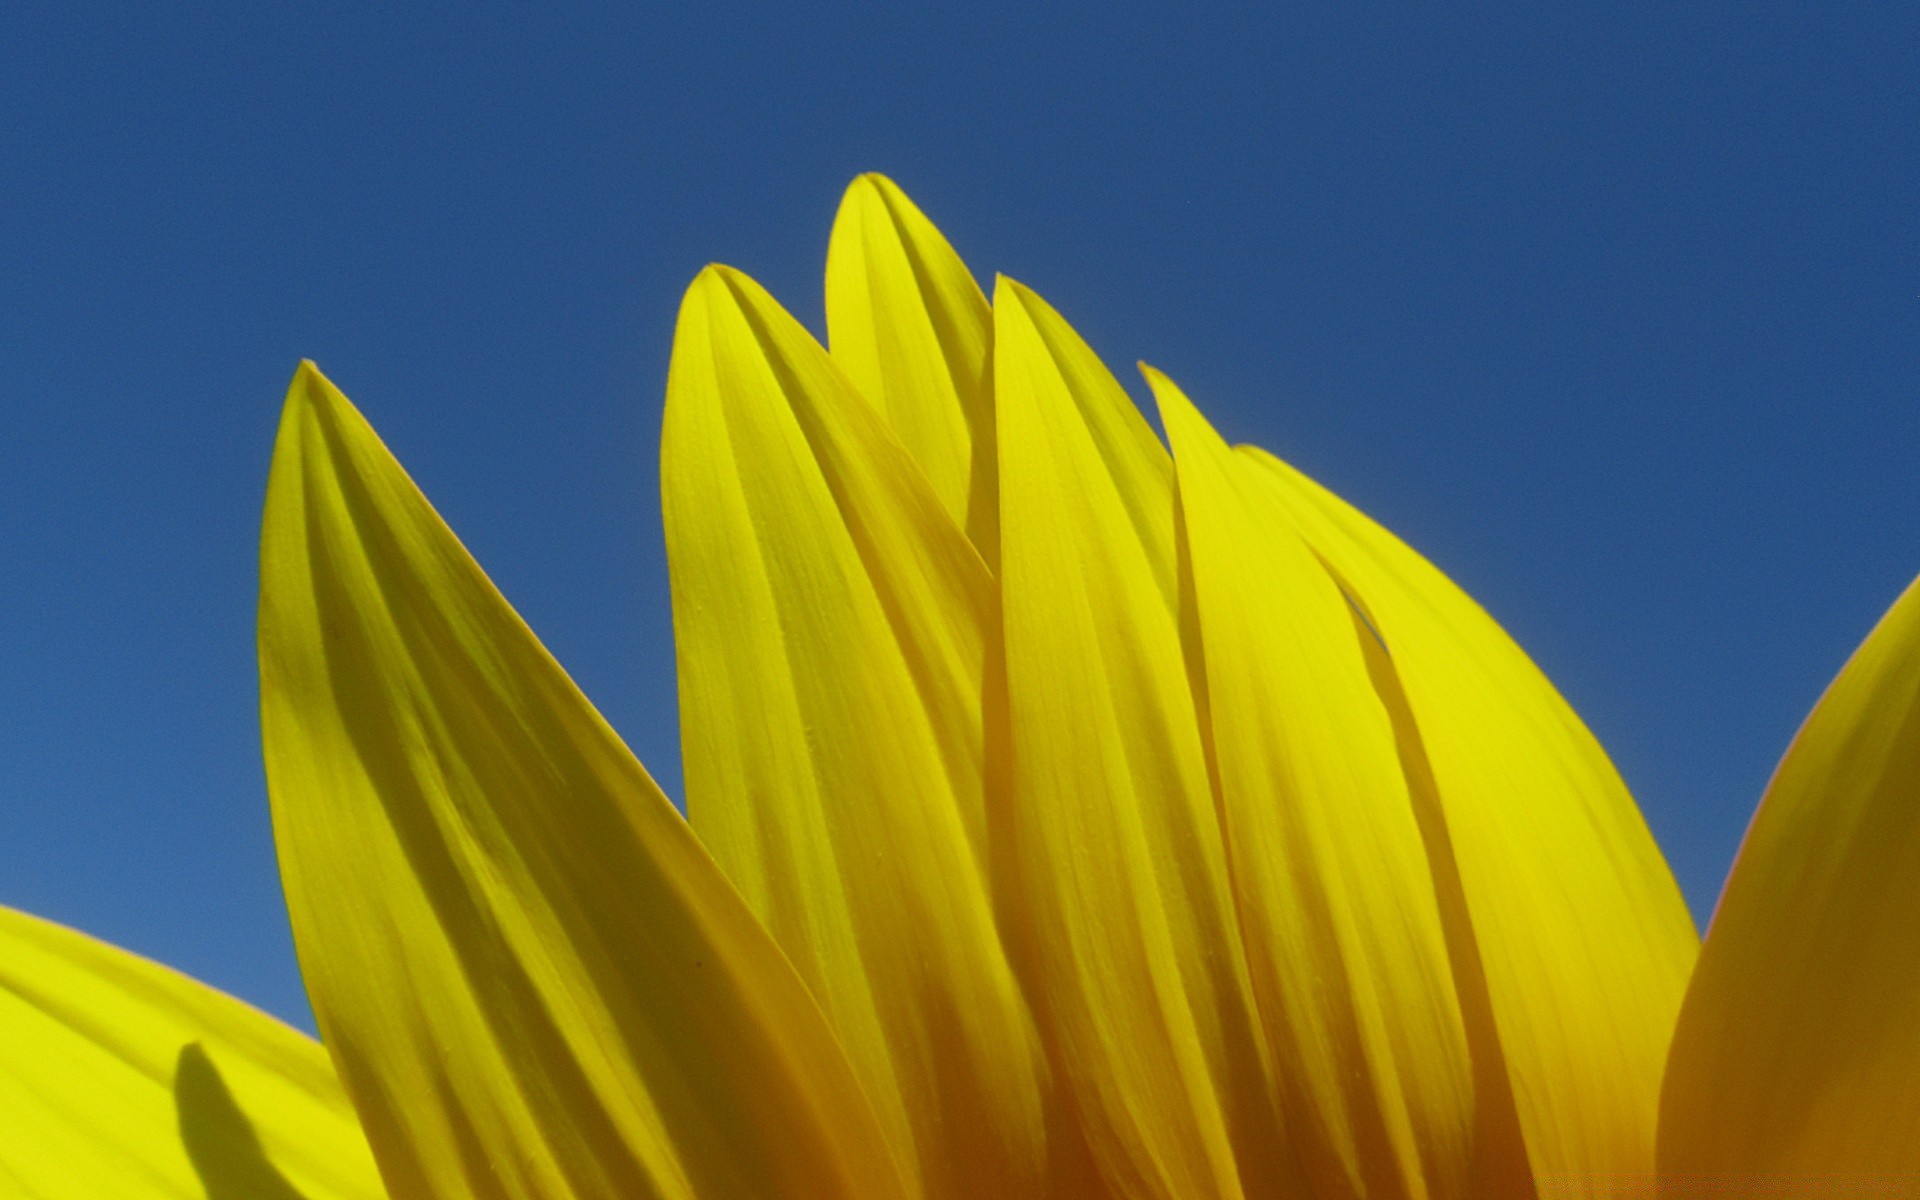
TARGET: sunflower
(1065,817)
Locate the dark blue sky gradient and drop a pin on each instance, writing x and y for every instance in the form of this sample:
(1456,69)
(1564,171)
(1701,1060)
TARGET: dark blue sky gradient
(1610,310)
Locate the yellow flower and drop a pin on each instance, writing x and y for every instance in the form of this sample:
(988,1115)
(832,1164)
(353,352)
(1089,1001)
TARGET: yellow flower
(1066,818)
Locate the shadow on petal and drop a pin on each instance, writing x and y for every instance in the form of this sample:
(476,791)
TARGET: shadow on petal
(220,1141)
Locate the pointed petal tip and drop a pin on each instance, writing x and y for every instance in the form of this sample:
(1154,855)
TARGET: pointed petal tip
(872,196)
(309,392)
(731,281)
(1013,289)
(878,187)
(1158,380)
(713,272)
(307,380)
(312,388)
(715,284)
(1169,395)
(311,397)
(1029,301)
(720,288)
(1165,390)
(1179,415)
(870,183)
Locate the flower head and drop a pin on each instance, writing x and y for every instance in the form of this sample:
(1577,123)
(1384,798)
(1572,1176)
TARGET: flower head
(1066,816)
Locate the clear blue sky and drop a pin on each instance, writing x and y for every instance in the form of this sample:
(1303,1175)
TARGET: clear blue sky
(1610,310)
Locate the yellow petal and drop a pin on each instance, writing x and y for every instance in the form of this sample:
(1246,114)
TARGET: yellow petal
(121,1078)
(829,619)
(1583,938)
(911,329)
(1797,1058)
(1110,823)
(1348,954)
(533,980)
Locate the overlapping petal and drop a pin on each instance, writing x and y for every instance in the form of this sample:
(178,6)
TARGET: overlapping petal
(535,983)
(912,330)
(1344,936)
(1081,825)
(830,619)
(119,1077)
(1582,938)
(1796,1063)
(1110,823)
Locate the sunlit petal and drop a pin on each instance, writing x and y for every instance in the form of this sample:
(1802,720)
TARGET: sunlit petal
(1343,931)
(1797,1058)
(830,621)
(534,981)
(1583,938)
(911,328)
(1110,821)
(122,1078)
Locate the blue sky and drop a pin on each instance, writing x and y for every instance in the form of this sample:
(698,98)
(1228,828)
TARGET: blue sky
(1609,310)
